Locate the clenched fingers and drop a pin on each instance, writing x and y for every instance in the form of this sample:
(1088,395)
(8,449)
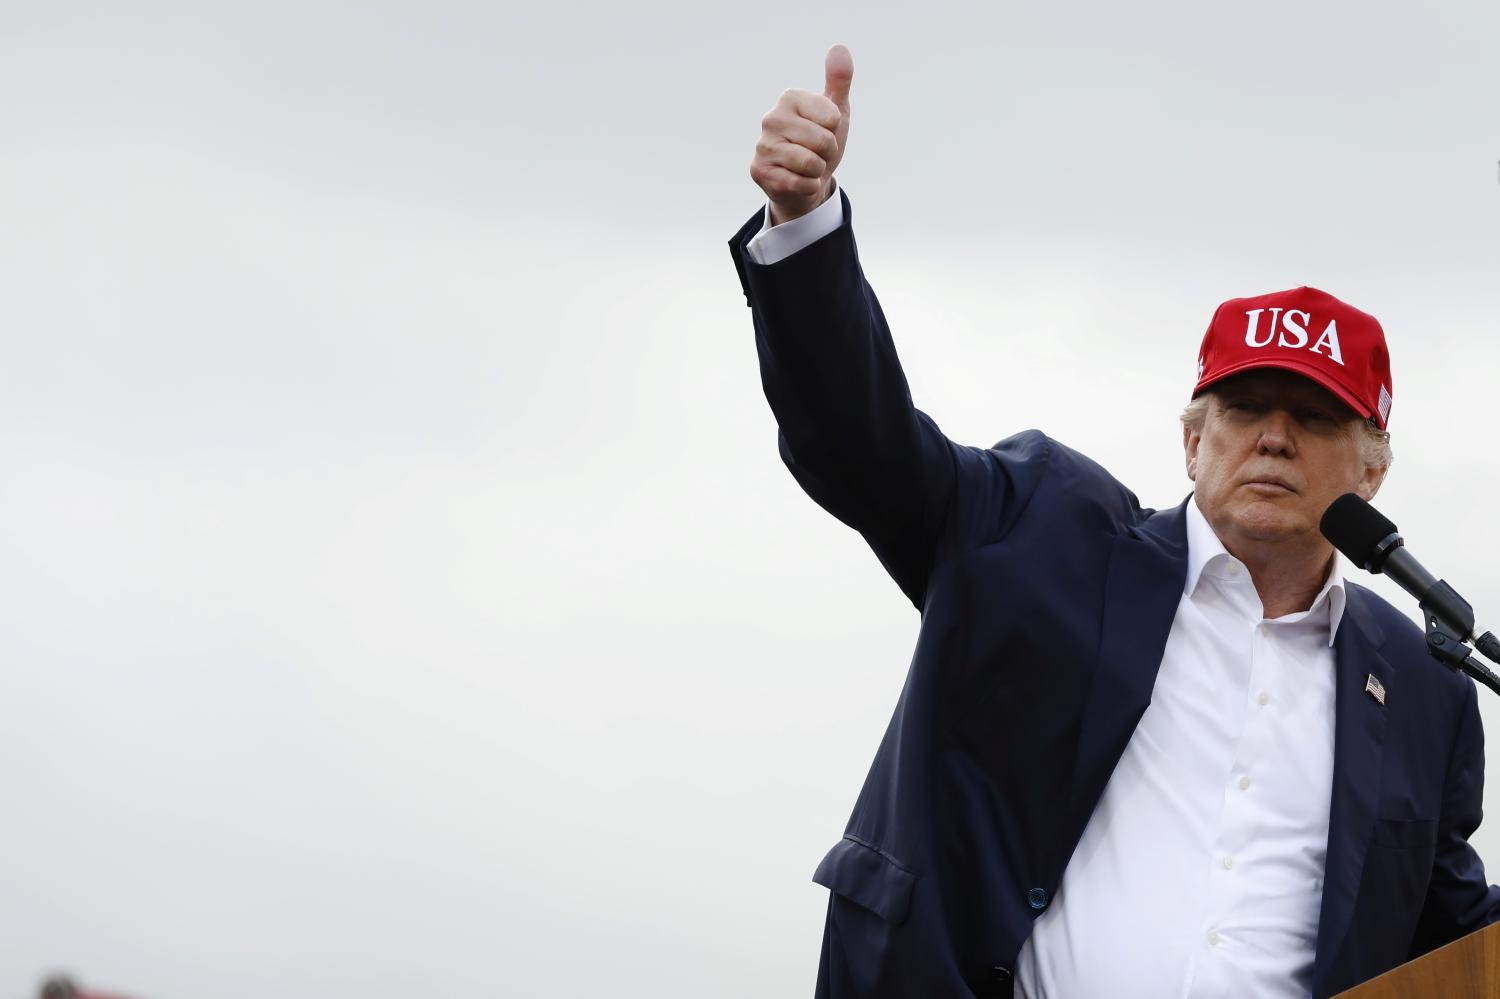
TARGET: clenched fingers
(778,182)
(793,134)
(807,134)
(798,159)
(814,107)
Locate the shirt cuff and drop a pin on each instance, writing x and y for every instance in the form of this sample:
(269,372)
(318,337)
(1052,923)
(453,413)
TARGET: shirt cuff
(775,243)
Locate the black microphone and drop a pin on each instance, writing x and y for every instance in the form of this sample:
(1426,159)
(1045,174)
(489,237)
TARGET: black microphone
(1370,540)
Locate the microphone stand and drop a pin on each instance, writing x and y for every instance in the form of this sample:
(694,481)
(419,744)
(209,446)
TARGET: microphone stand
(1450,650)
(1445,642)
(1449,617)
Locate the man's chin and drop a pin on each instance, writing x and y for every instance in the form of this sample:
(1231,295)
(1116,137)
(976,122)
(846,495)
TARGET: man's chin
(1268,520)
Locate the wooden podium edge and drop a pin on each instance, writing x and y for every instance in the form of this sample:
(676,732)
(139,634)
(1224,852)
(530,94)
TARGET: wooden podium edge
(1467,968)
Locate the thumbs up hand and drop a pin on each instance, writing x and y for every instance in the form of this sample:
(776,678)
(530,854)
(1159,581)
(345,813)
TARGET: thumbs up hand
(802,140)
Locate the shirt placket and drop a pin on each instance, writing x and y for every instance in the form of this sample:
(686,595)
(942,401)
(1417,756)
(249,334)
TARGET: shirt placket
(1216,947)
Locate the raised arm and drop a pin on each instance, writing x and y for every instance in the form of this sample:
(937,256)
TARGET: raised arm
(848,430)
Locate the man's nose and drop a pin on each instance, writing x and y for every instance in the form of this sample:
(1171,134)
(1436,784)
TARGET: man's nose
(1276,435)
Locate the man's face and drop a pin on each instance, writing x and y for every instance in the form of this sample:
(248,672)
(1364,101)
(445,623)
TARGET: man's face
(1274,451)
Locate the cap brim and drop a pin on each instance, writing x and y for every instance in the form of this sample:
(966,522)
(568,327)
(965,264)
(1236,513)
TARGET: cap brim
(1297,368)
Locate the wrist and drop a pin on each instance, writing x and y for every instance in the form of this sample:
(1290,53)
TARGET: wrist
(784,213)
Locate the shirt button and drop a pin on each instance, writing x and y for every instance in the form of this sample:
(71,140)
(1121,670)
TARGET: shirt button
(1264,698)
(1228,863)
(1264,629)
(1244,783)
(1213,938)
(1037,898)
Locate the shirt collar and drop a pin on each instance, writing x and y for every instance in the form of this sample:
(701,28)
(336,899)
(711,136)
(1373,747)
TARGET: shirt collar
(1207,552)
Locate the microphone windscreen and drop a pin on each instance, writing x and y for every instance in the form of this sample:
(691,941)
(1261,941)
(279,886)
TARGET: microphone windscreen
(1355,527)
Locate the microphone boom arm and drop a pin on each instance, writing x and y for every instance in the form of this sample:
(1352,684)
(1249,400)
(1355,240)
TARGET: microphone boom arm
(1450,650)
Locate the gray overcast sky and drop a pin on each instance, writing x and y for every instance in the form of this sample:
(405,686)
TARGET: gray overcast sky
(400,592)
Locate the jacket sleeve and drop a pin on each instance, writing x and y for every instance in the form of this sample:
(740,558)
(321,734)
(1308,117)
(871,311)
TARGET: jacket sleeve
(1460,898)
(848,430)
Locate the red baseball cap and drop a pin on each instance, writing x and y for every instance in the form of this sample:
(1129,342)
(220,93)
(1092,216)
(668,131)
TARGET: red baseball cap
(1308,332)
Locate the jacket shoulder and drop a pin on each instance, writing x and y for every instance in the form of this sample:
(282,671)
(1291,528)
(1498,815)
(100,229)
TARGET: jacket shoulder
(1067,483)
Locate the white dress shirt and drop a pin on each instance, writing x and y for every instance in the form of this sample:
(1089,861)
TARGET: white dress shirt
(1200,873)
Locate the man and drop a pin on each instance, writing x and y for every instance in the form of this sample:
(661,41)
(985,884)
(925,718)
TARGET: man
(1138,753)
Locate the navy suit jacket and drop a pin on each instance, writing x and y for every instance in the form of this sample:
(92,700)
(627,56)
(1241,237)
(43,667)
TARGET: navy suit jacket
(1046,593)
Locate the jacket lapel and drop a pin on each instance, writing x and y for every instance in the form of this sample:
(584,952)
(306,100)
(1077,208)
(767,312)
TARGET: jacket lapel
(1358,739)
(1147,568)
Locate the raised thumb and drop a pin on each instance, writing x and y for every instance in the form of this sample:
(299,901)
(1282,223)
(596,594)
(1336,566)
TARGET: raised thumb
(838,73)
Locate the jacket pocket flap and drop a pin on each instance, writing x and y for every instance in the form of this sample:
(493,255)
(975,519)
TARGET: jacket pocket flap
(867,877)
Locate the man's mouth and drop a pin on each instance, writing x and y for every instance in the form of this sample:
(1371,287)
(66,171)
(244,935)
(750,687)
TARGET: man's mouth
(1270,486)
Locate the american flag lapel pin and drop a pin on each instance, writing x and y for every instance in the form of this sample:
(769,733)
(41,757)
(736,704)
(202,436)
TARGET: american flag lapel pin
(1375,688)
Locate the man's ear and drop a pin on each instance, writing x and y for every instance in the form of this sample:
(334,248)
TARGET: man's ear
(1369,485)
(1190,451)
